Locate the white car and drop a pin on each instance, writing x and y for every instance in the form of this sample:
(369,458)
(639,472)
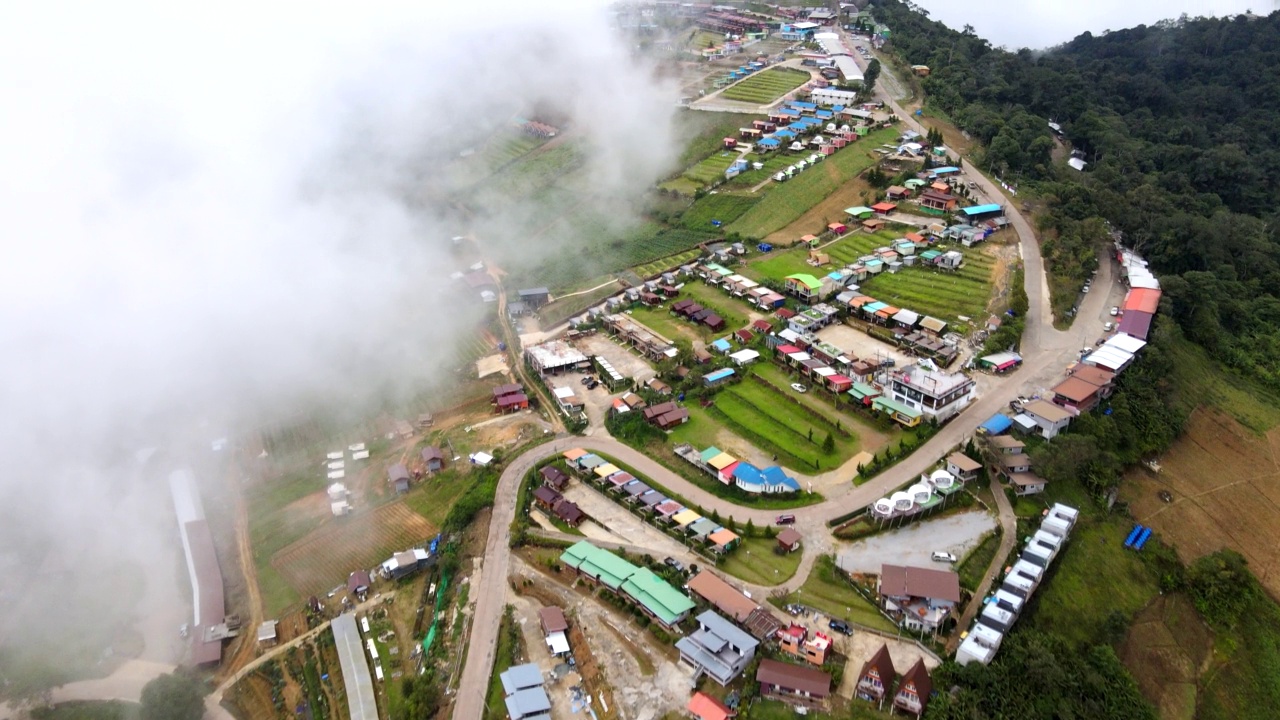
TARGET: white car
(1108,326)
(1085,289)
(940,556)
(1115,310)
(799,388)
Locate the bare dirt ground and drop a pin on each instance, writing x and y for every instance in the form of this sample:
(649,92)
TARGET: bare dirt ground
(625,362)
(1167,650)
(914,543)
(620,523)
(1225,487)
(647,680)
(860,344)
(831,209)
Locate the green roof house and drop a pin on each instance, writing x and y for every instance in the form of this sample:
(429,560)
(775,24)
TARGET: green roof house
(663,602)
(598,564)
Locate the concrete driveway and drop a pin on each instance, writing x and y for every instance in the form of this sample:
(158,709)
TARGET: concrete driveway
(915,543)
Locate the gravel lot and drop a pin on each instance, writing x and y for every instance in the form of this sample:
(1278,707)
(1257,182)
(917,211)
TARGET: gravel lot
(621,526)
(913,544)
(623,360)
(860,344)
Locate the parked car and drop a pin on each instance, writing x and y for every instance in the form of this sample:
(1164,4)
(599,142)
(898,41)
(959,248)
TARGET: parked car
(795,610)
(840,626)
(1085,289)
(799,388)
(1108,326)
(592,385)
(674,563)
(1115,310)
(586,380)
(940,556)
(785,520)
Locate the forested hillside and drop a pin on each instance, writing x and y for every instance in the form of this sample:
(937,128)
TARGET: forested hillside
(1180,124)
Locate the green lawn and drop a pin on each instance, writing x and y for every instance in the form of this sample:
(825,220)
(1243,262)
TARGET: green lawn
(1093,576)
(830,593)
(433,497)
(766,86)
(272,527)
(786,202)
(712,168)
(723,207)
(661,320)
(761,565)
(508,648)
(973,566)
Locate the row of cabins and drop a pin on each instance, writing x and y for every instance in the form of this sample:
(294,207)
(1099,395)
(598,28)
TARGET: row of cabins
(659,600)
(549,497)
(877,678)
(649,343)
(1002,608)
(1011,463)
(696,313)
(739,473)
(633,491)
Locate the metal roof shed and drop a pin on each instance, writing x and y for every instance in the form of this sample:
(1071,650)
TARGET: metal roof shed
(355,669)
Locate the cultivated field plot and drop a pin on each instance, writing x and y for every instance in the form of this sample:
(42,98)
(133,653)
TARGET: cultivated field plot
(944,294)
(1165,650)
(785,202)
(325,556)
(766,86)
(763,415)
(712,168)
(1225,486)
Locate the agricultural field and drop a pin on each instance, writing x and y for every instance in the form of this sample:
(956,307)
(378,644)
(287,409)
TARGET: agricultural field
(325,556)
(1167,646)
(711,169)
(724,207)
(661,265)
(785,202)
(1225,486)
(941,293)
(706,132)
(763,417)
(767,85)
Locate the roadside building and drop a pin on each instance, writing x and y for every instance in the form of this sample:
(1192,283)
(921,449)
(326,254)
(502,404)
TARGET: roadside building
(793,684)
(813,650)
(556,356)
(1050,418)
(963,467)
(789,540)
(936,394)
(724,597)
(717,648)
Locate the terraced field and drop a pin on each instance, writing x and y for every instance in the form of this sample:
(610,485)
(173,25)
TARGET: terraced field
(712,168)
(785,202)
(766,86)
(943,294)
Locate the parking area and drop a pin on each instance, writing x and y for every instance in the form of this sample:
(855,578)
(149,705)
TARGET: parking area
(914,544)
(861,344)
(623,527)
(623,360)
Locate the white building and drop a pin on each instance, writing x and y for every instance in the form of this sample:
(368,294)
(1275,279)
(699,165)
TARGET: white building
(937,394)
(832,96)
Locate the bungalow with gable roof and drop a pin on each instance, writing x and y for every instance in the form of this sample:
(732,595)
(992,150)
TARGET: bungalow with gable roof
(875,680)
(921,598)
(808,288)
(914,690)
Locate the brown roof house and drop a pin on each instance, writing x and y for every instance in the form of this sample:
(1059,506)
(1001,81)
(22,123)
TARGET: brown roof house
(398,475)
(920,598)
(875,681)
(554,477)
(434,458)
(963,467)
(792,683)
(914,689)
(569,512)
(554,629)
(788,540)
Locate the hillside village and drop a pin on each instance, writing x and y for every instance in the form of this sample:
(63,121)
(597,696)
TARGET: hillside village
(788,467)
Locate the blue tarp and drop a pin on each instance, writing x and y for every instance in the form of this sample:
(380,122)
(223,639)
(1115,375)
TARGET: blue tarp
(997,424)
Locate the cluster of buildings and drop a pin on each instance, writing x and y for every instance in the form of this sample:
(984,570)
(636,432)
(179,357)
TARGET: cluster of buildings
(549,497)
(799,124)
(524,693)
(739,473)
(931,492)
(1001,609)
(652,503)
(1088,382)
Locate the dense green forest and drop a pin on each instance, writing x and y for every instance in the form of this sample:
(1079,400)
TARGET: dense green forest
(1180,124)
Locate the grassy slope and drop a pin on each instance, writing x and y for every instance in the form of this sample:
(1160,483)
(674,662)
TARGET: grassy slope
(767,86)
(762,566)
(826,591)
(789,200)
